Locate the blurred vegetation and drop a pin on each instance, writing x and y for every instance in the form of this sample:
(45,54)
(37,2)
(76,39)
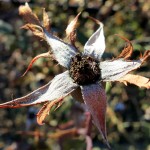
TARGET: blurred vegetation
(128,114)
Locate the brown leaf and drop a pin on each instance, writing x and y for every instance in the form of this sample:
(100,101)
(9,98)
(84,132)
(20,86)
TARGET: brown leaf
(26,12)
(136,79)
(46,21)
(71,29)
(45,55)
(44,111)
(127,51)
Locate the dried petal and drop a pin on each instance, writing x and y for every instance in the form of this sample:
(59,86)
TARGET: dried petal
(28,15)
(45,55)
(46,21)
(95,46)
(127,51)
(136,79)
(44,111)
(71,29)
(113,70)
(62,51)
(95,98)
(59,87)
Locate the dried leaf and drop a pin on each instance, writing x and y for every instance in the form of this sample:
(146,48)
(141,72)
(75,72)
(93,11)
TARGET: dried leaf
(36,30)
(26,12)
(71,29)
(146,56)
(44,111)
(58,105)
(45,55)
(136,79)
(127,51)
(46,21)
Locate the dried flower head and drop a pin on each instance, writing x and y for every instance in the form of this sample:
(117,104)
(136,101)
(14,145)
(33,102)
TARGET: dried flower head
(84,70)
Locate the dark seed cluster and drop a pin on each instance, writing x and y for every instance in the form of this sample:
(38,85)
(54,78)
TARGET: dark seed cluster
(84,70)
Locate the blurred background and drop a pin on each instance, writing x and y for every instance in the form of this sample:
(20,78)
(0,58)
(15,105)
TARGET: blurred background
(128,113)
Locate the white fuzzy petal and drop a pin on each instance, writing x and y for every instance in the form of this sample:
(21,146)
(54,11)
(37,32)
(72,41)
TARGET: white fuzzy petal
(113,70)
(95,46)
(61,50)
(59,87)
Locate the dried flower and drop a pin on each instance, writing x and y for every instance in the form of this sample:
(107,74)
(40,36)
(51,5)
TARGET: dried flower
(85,71)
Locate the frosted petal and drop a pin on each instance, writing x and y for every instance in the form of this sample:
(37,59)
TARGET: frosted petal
(95,46)
(95,98)
(59,87)
(113,70)
(62,51)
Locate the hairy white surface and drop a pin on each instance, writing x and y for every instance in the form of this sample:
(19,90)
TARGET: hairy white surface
(61,50)
(113,70)
(59,87)
(95,46)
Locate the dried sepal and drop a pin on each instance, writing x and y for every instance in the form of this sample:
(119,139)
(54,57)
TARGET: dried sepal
(71,29)
(136,80)
(45,55)
(32,20)
(46,21)
(26,12)
(36,30)
(44,111)
(127,51)
(145,56)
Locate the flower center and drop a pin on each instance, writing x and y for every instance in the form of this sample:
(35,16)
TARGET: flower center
(84,70)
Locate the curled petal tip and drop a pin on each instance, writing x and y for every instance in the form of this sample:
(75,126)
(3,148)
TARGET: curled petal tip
(96,21)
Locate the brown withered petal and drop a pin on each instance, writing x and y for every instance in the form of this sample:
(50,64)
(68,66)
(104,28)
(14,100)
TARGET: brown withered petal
(71,29)
(44,111)
(127,51)
(26,12)
(46,21)
(45,55)
(136,80)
